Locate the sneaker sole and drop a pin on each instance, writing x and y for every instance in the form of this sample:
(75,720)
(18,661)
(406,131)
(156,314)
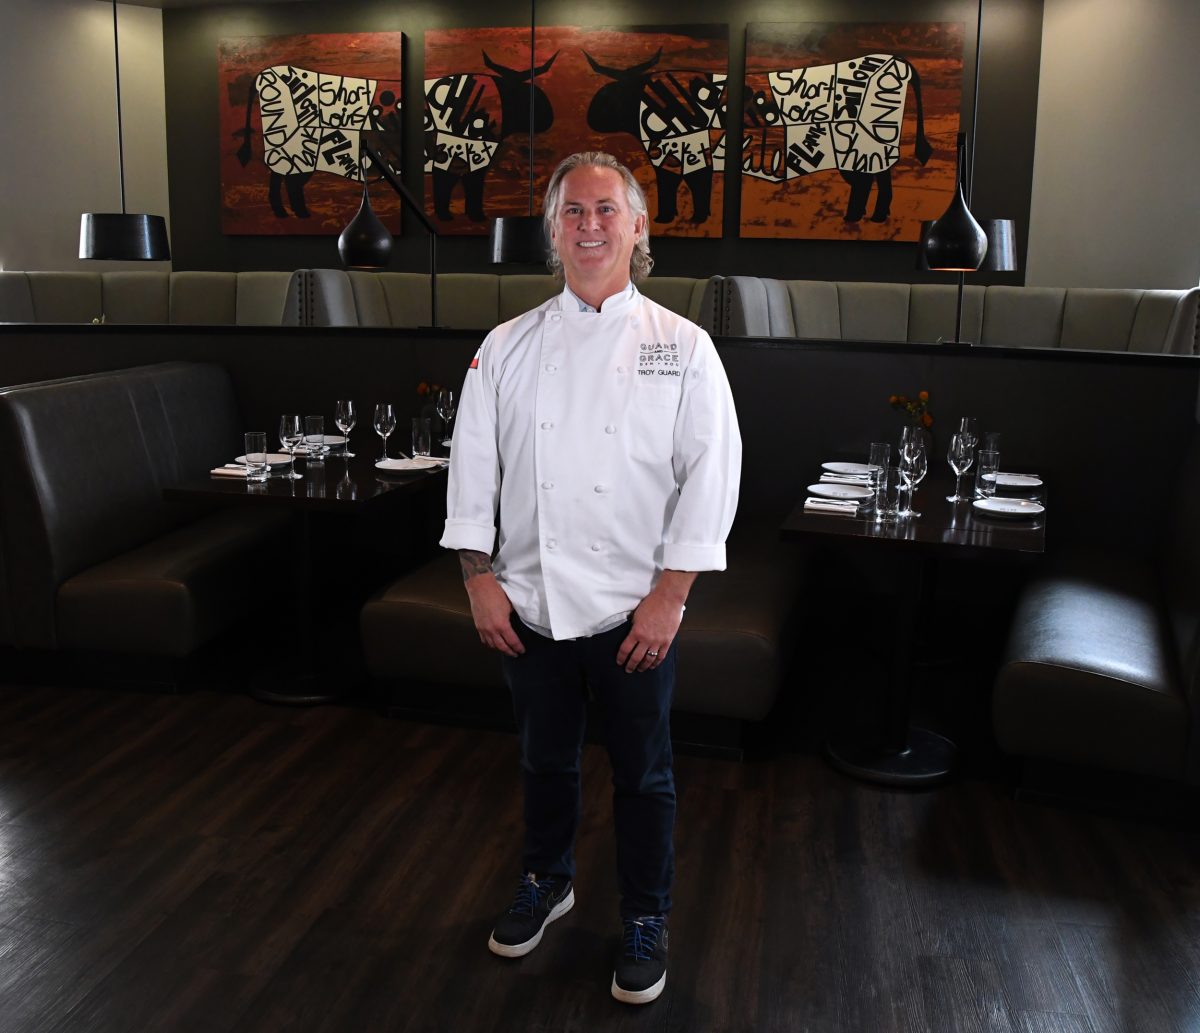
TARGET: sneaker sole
(519,950)
(651,993)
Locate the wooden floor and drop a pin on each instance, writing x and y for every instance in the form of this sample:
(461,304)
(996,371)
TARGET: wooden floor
(204,862)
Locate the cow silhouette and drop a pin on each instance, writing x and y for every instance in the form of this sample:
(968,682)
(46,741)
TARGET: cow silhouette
(673,112)
(313,122)
(467,116)
(846,116)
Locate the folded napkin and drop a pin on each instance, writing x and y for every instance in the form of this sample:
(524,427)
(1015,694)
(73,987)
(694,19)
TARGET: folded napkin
(232,470)
(844,478)
(831,506)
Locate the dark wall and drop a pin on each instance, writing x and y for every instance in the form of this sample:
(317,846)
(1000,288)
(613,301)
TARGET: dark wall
(1004,132)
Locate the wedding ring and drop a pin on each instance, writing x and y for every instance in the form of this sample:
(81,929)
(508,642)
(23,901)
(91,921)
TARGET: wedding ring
(652,652)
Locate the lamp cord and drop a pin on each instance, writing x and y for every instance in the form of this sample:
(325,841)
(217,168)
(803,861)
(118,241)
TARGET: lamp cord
(532,68)
(970,165)
(120,137)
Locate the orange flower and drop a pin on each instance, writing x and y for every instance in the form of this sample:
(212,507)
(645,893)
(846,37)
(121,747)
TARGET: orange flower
(422,388)
(926,419)
(923,395)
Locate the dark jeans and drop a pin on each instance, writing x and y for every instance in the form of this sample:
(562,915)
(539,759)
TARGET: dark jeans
(549,685)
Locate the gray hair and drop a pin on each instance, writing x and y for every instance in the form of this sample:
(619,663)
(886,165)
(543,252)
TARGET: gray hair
(640,262)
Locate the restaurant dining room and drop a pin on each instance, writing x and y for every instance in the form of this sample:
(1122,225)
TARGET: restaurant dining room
(807,627)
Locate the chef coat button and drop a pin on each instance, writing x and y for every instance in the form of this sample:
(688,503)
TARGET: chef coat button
(600,489)
(551,543)
(610,429)
(550,367)
(547,485)
(620,369)
(595,546)
(546,425)
(555,317)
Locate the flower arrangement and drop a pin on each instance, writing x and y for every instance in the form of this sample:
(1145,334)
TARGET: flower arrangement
(425,389)
(916,408)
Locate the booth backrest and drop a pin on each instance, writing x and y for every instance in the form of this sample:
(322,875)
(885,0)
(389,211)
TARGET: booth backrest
(1097,319)
(184,298)
(466,301)
(83,463)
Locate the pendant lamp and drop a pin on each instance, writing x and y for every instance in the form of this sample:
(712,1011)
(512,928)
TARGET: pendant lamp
(365,243)
(956,242)
(522,238)
(123,236)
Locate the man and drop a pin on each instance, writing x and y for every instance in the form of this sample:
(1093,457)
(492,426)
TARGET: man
(602,428)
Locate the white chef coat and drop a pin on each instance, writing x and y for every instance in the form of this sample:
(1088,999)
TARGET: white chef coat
(609,443)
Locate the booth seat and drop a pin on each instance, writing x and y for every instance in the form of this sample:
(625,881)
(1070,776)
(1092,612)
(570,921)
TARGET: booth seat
(1102,668)
(183,298)
(466,301)
(92,557)
(1158,321)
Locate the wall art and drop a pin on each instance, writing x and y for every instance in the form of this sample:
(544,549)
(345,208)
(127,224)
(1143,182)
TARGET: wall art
(848,130)
(652,97)
(292,113)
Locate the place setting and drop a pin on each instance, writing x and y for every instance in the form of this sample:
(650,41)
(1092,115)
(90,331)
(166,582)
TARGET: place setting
(997,494)
(421,442)
(842,490)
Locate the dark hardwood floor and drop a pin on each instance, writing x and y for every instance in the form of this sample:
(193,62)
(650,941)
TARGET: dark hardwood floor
(204,862)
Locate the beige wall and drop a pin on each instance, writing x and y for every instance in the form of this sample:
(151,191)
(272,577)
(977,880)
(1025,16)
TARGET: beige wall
(1116,174)
(56,69)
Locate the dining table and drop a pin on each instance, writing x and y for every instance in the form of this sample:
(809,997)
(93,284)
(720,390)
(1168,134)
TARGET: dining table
(334,484)
(909,754)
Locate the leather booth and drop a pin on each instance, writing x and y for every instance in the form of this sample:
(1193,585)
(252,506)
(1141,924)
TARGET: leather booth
(184,298)
(91,556)
(1155,321)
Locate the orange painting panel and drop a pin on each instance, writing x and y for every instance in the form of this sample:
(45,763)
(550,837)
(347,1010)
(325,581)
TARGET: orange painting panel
(816,205)
(330,199)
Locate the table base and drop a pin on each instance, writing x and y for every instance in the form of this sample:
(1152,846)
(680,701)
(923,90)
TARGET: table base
(926,760)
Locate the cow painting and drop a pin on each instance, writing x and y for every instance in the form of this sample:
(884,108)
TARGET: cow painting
(313,122)
(845,116)
(467,116)
(674,113)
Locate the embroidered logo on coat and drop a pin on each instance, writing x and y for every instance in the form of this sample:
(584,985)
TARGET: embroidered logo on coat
(658,359)
(475,361)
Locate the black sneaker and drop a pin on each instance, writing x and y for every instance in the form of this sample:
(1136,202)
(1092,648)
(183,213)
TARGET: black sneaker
(641,970)
(539,902)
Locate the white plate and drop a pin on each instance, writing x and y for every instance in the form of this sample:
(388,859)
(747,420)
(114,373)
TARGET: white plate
(846,468)
(331,441)
(1009,509)
(273,459)
(840,491)
(406,465)
(1017,480)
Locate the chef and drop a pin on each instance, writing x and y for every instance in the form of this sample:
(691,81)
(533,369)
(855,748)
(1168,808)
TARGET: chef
(600,428)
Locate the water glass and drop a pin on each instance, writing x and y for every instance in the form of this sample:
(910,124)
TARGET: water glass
(887,498)
(877,461)
(314,438)
(258,464)
(987,466)
(422,436)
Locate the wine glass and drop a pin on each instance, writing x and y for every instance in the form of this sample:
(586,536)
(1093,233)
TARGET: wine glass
(446,406)
(291,433)
(960,456)
(345,417)
(385,423)
(914,463)
(969,427)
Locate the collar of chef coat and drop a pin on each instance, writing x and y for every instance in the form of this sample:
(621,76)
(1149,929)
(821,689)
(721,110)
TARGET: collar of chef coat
(569,301)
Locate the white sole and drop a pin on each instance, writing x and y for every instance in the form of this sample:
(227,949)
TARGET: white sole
(651,993)
(519,950)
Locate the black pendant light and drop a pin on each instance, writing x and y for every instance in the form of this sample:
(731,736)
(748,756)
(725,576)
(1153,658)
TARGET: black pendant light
(522,238)
(956,242)
(365,243)
(123,236)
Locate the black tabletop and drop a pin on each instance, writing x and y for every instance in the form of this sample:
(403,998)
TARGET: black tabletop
(956,528)
(336,485)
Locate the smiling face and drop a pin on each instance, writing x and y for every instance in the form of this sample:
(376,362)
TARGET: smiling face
(595,232)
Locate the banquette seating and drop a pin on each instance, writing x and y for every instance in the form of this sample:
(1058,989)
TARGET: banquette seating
(1102,667)
(92,558)
(183,298)
(1159,321)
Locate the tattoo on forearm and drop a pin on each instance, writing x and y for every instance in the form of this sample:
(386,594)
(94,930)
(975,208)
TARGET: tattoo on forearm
(473,563)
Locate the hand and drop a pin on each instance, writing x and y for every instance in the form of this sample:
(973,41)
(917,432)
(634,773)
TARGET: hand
(492,610)
(655,623)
